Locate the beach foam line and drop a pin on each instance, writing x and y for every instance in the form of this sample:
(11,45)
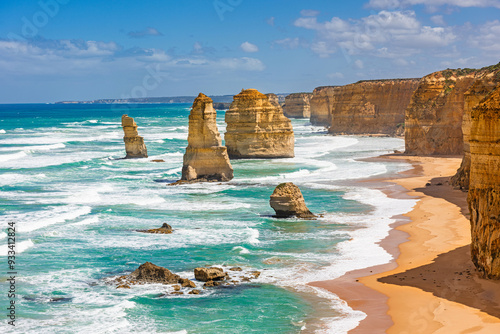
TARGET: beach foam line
(2,131)
(33,148)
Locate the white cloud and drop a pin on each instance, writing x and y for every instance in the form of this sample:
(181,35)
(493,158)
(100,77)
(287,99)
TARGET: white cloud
(145,33)
(398,31)
(438,19)
(270,21)
(289,43)
(336,75)
(249,47)
(488,37)
(309,12)
(359,64)
(391,4)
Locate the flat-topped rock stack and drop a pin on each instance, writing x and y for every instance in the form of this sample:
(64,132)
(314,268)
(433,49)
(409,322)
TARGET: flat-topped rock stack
(297,105)
(257,128)
(205,158)
(134,144)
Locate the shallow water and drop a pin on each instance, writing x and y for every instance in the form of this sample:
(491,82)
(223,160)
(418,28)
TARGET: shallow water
(77,209)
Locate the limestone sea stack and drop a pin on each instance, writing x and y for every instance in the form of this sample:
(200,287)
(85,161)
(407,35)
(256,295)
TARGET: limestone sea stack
(297,105)
(205,158)
(287,201)
(256,128)
(274,99)
(484,187)
(134,144)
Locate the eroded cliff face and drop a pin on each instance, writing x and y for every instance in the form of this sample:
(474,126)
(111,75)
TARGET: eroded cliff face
(205,158)
(321,105)
(134,144)
(434,116)
(256,128)
(297,105)
(371,107)
(274,99)
(484,186)
(486,80)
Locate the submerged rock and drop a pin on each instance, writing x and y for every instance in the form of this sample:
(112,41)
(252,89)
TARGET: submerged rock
(257,128)
(134,144)
(164,229)
(205,158)
(287,201)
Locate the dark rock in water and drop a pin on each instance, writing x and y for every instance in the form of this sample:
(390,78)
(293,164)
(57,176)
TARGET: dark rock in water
(194,292)
(209,274)
(158,160)
(211,284)
(235,269)
(164,229)
(287,201)
(151,273)
(123,286)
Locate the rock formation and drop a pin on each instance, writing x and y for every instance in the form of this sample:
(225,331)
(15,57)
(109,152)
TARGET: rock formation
(484,187)
(365,107)
(486,80)
(321,105)
(205,158)
(209,274)
(134,144)
(434,115)
(164,229)
(287,201)
(274,99)
(297,105)
(257,129)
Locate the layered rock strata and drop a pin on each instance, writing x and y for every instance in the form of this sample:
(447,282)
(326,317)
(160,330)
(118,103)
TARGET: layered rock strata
(365,107)
(297,105)
(274,99)
(134,144)
(486,80)
(256,128)
(287,201)
(484,186)
(205,158)
(434,115)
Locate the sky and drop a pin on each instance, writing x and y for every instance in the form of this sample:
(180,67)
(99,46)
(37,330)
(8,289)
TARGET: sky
(55,50)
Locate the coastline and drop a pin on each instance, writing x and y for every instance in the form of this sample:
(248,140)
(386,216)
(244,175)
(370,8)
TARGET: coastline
(419,292)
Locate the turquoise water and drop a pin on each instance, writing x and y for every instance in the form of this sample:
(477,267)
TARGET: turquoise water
(77,209)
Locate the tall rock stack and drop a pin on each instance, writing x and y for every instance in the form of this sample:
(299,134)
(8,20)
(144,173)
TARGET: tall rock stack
(297,105)
(257,129)
(434,115)
(205,158)
(487,79)
(274,99)
(321,105)
(484,187)
(134,144)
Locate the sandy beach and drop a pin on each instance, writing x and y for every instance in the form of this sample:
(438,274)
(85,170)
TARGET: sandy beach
(431,286)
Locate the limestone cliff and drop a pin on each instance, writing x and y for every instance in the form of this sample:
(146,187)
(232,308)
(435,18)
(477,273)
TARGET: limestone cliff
(297,105)
(486,80)
(257,129)
(484,187)
(321,103)
(134,144)
(365,107)
(205,158)
(274,99)
(371,107)
(434,115)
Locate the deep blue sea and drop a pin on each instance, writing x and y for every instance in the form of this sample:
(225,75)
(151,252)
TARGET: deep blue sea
(77,207)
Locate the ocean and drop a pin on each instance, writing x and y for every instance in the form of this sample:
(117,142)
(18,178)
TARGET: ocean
(77,208)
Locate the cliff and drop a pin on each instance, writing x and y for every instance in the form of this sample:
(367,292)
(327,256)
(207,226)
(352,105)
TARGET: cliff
(256,128)
(321,103)
(371,107)
(274,99)
(134,144)
(205,158)
(484,186)
(434,115)
(365,107)
(297,105)
(486,80)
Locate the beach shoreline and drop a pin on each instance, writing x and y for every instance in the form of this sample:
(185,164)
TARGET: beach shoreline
(431,285)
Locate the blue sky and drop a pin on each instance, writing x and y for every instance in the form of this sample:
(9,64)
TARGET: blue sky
(52,50)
